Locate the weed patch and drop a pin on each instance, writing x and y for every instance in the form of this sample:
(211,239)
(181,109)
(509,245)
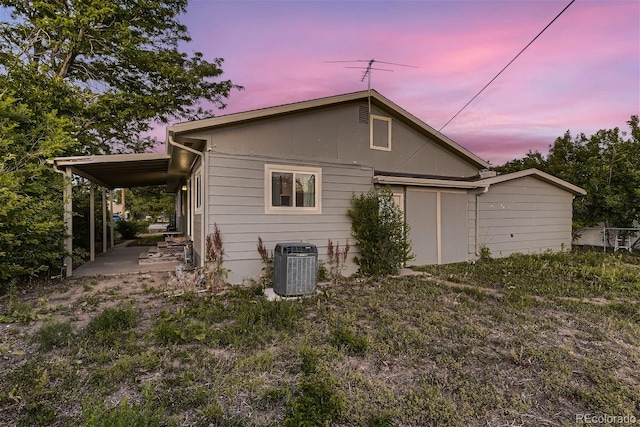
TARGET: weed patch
(96,414)
(111,324)
(54,334)
(390,352)
(345,339)
(317,401)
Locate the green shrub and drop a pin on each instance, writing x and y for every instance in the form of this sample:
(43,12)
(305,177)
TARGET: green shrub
(130,229)
(54,334)
(381,233)
(323,273)
(151,240)
(485,253)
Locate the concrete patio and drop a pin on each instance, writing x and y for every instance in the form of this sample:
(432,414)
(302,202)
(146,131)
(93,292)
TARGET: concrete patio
(121,260)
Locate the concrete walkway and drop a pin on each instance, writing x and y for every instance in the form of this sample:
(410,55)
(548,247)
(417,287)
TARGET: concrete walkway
(121,260)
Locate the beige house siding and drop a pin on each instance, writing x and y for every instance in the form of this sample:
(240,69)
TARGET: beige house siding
(524,215)
(236,203)
(335,134)
(472,198)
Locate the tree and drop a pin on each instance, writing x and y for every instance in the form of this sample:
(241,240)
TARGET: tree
(85,77)
(148,201)
(606,165)
(31,228)
(381,233)
(123,55)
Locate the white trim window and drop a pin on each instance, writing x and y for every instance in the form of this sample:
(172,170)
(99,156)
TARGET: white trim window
(292,189)
(197,191)
(380,133)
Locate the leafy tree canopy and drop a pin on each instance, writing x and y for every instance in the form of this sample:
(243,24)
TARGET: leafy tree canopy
(606,165)
(31,228)
(123,58)
(148,201)
(84,77)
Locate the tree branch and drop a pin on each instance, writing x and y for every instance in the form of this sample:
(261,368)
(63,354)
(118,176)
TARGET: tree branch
(71,56)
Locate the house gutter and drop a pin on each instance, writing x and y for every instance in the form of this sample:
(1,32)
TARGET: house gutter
(183,147)
(203,212)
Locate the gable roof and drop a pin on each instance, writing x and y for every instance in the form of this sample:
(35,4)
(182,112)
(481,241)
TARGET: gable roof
(376,99)
(543,176)
(481,183)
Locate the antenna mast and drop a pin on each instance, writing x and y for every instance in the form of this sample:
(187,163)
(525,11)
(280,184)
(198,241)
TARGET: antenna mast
(368,69)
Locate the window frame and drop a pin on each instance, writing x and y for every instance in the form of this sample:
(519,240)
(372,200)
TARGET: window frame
(372,120)
(269,169)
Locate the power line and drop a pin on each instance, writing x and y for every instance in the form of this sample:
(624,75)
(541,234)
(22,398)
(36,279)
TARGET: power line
(491,81)
(505,67)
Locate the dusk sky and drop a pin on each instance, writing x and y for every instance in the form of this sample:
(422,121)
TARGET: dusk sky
(582,74)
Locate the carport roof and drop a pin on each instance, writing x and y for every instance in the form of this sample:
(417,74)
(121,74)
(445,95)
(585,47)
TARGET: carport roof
(120,170)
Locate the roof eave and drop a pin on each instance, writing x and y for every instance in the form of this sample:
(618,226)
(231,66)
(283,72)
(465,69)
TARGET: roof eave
(426,182)
(376,97)
(567,186)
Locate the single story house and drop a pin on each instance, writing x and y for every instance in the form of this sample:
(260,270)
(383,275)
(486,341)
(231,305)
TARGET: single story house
(288,173)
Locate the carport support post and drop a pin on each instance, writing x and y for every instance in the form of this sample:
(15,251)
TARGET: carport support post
(104,220)
(111,222)
(68,220)
(92,222)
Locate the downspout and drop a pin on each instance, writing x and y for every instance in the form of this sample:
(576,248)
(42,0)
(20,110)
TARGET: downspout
(203,231)
(477,246)
(183,147)
(205,202)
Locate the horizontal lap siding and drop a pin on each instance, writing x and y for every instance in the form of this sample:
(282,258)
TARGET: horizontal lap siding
(471,213)
(236,204)
(525,215)
(197,238)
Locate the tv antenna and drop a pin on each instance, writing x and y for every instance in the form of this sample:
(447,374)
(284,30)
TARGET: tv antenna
(368,70)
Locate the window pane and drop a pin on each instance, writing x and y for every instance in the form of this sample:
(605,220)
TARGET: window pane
(305,190)
(281,189)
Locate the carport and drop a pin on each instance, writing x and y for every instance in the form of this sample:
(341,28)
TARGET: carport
(109,172)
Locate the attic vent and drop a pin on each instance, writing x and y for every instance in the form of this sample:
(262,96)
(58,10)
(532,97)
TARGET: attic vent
(363,114)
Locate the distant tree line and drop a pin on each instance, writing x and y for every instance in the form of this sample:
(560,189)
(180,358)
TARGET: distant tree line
(606,164)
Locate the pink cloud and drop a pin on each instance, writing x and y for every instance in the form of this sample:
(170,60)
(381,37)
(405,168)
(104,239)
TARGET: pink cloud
(582,74)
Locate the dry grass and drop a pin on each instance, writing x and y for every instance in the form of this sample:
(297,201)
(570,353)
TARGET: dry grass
(456,348)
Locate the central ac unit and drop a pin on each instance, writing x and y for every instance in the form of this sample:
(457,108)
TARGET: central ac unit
(295,269)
